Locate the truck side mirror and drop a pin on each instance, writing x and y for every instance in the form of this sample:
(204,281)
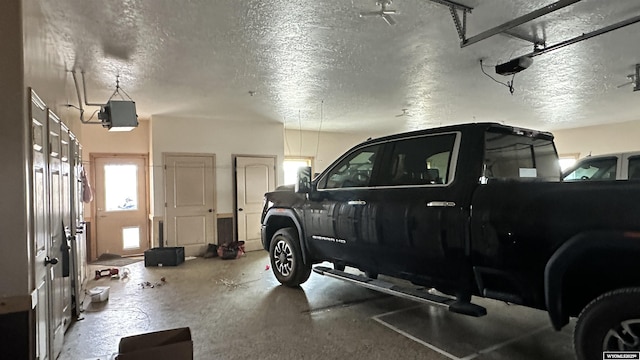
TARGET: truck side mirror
(303,182)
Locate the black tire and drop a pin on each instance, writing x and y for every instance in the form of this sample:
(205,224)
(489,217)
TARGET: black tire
(286,258)
(615,312)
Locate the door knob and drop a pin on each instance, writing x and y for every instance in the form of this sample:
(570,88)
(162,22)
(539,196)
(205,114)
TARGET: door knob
(240,209)
(48,260)
(210,210)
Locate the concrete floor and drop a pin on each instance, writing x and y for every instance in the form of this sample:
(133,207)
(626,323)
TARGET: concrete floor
(236,309)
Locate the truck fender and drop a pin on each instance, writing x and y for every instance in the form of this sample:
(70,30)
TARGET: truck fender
(289,213)
(570,252)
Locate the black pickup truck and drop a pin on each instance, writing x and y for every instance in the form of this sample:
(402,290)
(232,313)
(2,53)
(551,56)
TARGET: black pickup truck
(470,210)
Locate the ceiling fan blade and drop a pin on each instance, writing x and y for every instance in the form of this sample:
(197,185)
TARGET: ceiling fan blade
(369,13)
(388,19)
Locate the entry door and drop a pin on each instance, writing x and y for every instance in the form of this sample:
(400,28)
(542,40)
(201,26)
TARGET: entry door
(189,194)
(121,204)
(255,176)
(39,143)
(57,238)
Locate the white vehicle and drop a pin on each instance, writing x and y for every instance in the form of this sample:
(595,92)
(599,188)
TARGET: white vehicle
(609,167)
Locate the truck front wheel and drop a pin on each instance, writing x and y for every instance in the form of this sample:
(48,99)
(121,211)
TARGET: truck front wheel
(609,323)
(286,258)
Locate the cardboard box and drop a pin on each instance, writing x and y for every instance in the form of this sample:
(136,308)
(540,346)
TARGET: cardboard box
(164,256)
(174,344)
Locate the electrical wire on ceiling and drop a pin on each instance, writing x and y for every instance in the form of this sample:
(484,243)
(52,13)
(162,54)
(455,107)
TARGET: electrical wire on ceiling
(508,84)
(92,115)
(300,130)
(320,127)
(284,129)
(82,110)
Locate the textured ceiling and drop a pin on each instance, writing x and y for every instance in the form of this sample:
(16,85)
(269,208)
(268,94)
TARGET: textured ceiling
(318,64)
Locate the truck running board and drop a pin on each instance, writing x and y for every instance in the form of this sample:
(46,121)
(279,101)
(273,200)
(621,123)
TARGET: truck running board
(461,307)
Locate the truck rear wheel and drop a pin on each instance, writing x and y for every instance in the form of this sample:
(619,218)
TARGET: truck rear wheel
(286,258)
(609,323)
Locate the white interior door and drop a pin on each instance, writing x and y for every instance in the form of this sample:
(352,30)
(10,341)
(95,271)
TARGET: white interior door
(79,248)
(189,193)
(39,136)
(57,238)
(254,177)
(121,204)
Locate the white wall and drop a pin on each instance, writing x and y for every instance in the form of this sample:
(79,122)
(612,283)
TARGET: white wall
(325,151)
(28,59)
(96,139)
(222,138)
(601,139)
(13,177)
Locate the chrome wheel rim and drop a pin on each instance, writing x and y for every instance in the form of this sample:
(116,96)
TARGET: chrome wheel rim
(624,337)
(283,258)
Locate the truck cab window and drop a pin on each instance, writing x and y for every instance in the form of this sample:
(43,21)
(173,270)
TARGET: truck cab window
(353,171)
(419,161)
(513,156)
(634,168)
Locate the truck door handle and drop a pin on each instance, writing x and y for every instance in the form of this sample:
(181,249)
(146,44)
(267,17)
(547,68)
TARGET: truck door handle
(441,204)
(356,202)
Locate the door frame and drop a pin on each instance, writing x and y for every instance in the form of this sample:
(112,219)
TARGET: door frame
(165,229)
(234,180)
(40,300)
(93,255)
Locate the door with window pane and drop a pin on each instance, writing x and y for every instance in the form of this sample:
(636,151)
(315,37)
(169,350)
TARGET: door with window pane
(121,205)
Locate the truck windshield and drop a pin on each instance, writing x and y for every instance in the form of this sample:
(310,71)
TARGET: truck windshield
(518,155)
